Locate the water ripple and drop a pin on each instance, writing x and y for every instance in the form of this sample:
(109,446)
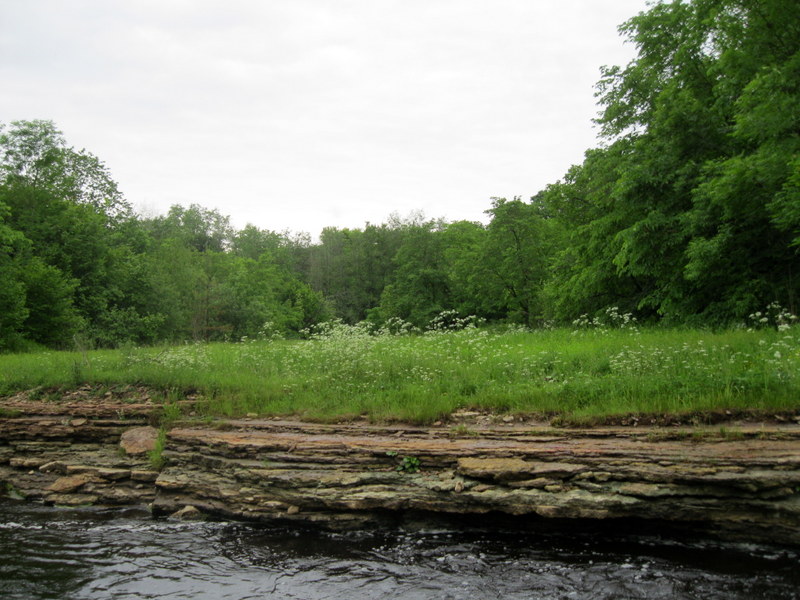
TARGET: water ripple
(90,554)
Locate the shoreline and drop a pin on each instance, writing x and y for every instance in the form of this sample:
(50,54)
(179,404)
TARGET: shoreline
(737,481)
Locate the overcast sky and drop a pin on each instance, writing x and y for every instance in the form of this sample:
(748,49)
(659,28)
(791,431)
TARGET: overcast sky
(301,114)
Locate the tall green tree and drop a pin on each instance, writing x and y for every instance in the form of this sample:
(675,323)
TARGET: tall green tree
(418,289)
(351,267)
(474,290)
(205,230)
(518,253)
(56,197)
(36,154)
(699,218)
(13,310)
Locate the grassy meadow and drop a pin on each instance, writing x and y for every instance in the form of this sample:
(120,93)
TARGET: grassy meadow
(345,371)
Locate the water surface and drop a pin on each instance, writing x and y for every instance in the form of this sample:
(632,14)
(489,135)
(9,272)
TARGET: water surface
(91,554)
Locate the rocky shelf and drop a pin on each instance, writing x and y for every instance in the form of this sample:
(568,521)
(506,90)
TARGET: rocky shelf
(741,481)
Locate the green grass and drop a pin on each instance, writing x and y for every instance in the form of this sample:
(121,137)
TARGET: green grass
(421,378)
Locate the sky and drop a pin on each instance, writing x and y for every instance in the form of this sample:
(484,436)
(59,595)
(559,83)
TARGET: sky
(303,114)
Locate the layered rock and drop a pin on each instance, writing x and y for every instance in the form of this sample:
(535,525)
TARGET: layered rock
(750,486)
(744,483)
(69,452)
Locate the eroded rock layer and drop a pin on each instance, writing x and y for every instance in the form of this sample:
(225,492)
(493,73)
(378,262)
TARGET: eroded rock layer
(743,482)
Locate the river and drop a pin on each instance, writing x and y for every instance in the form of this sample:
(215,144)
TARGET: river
(86,554)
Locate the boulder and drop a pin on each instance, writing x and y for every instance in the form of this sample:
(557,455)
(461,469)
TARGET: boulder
(139,440)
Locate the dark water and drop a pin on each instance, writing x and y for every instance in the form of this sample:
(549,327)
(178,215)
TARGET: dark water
(89,553)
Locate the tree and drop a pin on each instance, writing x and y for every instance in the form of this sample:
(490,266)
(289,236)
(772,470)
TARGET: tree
(472,286)
(418,289)
(351,267)
(35,153)
(584,276)
(196,227)
(699,218)
(76,264)
(13,311)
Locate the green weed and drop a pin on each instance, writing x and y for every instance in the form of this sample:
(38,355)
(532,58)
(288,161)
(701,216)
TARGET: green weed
(12,492)
(408,464)
(156,455)
(462,431)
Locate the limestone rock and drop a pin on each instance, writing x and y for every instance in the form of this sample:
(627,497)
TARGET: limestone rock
(27,463)
(189,513)
(141,475)
(506,469)
(72,499)
(343,475)
(139,440)
(101,472)
(66,485)
(54,466)
(494,468)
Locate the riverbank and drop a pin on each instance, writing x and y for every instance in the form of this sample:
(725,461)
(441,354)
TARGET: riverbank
(347,372)
(738,480)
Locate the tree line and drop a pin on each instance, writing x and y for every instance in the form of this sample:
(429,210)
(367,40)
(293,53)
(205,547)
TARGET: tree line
(688,212)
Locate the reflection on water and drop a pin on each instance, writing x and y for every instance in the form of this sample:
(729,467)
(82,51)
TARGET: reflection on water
(90,553)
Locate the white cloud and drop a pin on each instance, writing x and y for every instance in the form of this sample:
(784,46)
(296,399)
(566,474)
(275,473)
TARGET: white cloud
(305,113)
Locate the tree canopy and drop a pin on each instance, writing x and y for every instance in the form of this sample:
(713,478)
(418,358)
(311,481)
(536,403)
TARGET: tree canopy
(688,211)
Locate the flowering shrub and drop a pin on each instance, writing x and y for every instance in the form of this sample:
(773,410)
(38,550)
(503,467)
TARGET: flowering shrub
(397,326)
(451,320)
(611,319)
(773,316)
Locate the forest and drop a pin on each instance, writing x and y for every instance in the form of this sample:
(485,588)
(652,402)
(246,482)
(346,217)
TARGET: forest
(687,213)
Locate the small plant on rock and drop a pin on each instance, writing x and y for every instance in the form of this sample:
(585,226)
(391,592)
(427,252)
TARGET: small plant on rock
(155,456)
(408,464)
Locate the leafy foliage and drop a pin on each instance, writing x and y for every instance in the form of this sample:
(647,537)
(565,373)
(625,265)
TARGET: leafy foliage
(699,219)
(688,213)
(76,261)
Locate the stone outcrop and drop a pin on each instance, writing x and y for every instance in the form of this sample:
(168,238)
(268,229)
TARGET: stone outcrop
(68,452)
(742,482)
(139,440)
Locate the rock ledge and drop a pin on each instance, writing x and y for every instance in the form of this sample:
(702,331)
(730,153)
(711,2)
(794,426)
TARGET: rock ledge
(742,483)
